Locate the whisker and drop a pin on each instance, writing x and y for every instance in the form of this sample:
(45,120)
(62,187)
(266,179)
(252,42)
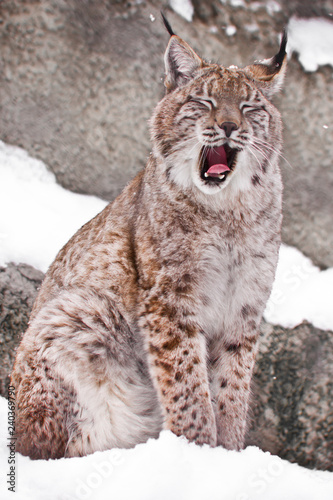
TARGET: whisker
(269,146)
(262,152)
(261,148)
(257,148)
(250,149)
(180,146)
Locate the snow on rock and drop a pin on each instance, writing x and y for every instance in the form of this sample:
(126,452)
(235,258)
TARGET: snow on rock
(234,3)
(301,292)
(272,7)
(37,215)
(251,28)
(231,30)
(237,3)
(162,469)
(214,30)
(183,7)
(312,39)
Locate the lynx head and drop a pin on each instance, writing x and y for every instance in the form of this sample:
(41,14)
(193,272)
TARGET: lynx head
(216,126)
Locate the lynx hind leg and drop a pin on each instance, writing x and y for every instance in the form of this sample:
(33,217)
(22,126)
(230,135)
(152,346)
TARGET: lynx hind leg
(231,372)
(42,408)
(80,379)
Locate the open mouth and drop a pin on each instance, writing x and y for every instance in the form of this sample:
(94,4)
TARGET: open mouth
(217,163)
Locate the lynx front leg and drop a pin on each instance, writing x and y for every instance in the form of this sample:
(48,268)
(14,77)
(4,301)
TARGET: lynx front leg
(178,368)
(232,365)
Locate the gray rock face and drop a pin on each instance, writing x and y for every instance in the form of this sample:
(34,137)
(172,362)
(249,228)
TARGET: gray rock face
(18,290)
(292,410)
(78,84)
(306,106)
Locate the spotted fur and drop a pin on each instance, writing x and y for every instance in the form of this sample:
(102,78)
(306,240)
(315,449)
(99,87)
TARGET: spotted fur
(148,318)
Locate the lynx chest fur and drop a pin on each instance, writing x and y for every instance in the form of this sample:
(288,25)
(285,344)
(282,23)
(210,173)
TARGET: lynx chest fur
(148,319)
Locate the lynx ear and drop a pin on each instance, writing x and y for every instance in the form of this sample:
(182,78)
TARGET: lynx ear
(181,63)
(269,74)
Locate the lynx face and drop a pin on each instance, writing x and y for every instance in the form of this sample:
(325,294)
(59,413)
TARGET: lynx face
(216,126)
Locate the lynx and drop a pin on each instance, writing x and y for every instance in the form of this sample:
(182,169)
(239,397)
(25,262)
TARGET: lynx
(148,318)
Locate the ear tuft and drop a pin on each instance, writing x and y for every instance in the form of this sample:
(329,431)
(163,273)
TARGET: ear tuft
(280,56)
(269,74)
(181,63)
(167,25)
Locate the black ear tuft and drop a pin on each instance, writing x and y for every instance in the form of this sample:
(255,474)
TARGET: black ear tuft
(279,58)
(269,73)
(167,25)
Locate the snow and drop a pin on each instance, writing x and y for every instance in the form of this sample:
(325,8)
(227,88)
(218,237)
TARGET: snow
(272,7)
(38,215)
(214,30)
(183,7)
(301,291)
(251,28)
(234,3)
(312,39)
(162,469)
(237,3)
(231,30)
(255,6)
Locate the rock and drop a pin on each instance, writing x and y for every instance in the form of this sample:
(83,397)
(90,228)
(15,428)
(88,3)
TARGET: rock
(78,87)
(292,403)
(18,289)
(306,104)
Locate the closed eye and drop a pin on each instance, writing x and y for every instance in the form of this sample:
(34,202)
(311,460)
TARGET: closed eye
(209,103)
(246,108)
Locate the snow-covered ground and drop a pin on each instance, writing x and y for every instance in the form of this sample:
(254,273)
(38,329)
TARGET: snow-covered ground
(39,217)
(168,468)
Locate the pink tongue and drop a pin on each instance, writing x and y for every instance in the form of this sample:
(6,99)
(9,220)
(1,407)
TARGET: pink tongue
(217,161)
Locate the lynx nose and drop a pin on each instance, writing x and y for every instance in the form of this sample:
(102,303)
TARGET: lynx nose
(228,127)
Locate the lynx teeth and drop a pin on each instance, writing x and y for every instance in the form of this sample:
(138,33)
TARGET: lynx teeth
(220,176)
